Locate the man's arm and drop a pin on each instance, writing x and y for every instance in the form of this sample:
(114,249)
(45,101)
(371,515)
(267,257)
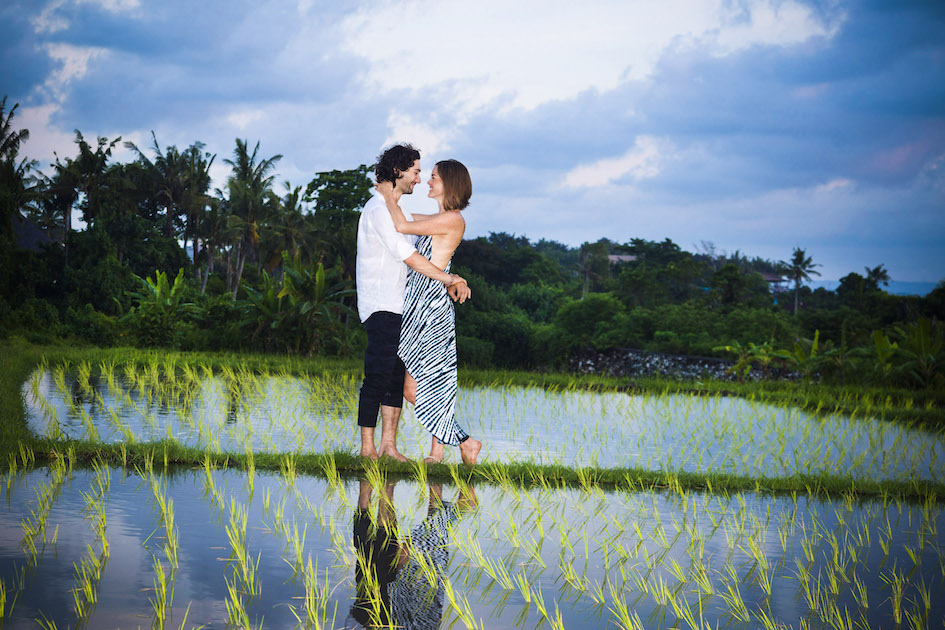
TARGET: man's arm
(421,264)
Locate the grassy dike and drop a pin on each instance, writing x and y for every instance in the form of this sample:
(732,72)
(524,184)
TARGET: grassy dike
(18,360)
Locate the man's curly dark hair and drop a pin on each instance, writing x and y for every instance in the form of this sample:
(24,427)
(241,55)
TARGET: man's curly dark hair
(394,161)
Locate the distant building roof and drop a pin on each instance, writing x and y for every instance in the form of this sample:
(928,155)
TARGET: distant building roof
(777,282)
(28,234)
(620,258)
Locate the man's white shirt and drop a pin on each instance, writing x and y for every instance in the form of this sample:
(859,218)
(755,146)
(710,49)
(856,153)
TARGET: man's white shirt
(382,250)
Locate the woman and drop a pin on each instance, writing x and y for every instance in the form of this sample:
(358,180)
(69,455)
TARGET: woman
(428,333)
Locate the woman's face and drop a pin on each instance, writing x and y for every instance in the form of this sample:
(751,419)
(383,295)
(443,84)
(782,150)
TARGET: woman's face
(436,185)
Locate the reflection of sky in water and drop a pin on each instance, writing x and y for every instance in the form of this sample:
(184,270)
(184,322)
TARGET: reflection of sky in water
(281,413)
(629,539)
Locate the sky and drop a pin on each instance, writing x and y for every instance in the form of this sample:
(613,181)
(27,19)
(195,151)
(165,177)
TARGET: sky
(755,126)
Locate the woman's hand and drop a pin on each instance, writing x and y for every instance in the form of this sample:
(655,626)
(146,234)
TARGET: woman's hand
(458,289)
(386,189)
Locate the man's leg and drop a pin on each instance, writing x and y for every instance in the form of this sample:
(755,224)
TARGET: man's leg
(380,359)
(390,419)
(367,443)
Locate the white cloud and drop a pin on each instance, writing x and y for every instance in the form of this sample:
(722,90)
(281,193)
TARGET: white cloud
(642,161)
(51,20)
(116,6)
(772,23)
(405,128)
(838,183)
(74,64)
(524,54)
(242,119)
(45,139)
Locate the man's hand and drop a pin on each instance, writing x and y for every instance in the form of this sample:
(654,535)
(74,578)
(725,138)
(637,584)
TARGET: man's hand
(458,289)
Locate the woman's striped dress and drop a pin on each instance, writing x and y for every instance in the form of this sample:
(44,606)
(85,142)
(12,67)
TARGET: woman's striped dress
(428,349)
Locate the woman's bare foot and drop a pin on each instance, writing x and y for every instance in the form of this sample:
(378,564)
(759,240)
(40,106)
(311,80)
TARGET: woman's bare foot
(470,450)
(436,453)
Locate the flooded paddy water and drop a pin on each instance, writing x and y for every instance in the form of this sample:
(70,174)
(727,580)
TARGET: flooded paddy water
(279,413)
(156,547)
(272,551)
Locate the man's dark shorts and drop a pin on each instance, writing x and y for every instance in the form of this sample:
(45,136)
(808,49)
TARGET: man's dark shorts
(383,369)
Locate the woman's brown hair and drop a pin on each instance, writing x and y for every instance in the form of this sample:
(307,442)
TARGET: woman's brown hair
(456,184)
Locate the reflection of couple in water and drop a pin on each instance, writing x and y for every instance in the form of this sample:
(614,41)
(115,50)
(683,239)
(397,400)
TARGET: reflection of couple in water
(395,586)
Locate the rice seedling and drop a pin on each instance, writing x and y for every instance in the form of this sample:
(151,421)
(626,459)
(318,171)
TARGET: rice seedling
(896,583)
(732,597)
(244,569)
(166,507)
(163,595)
(88,572)
(315,601)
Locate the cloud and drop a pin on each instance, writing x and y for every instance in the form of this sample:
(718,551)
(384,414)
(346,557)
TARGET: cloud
(758,124)
(838,183)
(515,53)
(405,128)
(640,162)
(45,138)
(73,63)
(57,15)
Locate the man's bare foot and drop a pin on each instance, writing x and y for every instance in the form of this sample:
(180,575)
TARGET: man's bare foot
(467,498)
(470,450)
(393,453)
(370,453)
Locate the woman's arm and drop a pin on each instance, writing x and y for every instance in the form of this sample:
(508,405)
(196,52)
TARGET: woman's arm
(442,223)
(424,224)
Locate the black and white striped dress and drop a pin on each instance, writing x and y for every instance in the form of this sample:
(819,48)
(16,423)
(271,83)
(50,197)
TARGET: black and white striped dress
(415,605)
(428,350)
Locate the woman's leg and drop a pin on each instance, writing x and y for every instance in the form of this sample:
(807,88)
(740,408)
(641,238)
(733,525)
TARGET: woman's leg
(469,450)
(410,389)
(436,452)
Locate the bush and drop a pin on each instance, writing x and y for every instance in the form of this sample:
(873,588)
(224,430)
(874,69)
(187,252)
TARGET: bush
(92,326)
(216,325)
(473,352)
(509,334)
(579,319)
(37,317)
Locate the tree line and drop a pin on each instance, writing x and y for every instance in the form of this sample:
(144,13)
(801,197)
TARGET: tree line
(261,265)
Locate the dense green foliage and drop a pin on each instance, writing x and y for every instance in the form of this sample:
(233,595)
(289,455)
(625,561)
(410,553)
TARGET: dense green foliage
(164,262)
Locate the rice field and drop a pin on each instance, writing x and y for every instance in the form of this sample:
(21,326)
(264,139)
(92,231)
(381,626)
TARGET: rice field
(106,547)
(241,412)
(150,544)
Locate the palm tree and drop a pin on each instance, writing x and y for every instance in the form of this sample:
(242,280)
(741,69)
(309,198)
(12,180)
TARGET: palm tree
(878,274)
(15,190)
(17,186)
(197,165)
(91,167)
(799,269)
(250,189)
(10,140)
(168,171)
(212,231)
(291,229)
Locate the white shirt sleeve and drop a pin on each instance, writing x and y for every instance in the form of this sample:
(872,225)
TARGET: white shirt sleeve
(382,227)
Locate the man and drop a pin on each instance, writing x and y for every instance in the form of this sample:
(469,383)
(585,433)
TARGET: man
(382,261)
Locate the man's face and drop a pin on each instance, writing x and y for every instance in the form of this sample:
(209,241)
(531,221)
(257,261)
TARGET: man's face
(409,178)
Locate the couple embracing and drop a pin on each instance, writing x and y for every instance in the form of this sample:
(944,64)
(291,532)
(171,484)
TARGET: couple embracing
(408,313)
